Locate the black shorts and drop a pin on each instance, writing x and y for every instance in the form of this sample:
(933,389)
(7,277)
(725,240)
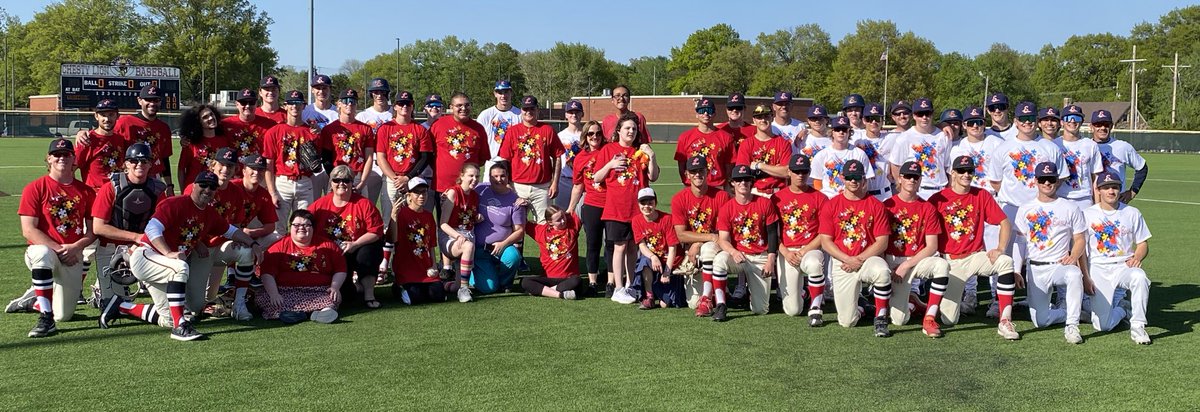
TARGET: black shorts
(615,231)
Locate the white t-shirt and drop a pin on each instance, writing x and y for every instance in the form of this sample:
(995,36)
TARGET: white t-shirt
(827,167)
(1013,166)
(318,118)
(496,123)
(931,152)
(813,145)
(1083,159)
(877,151)
(980,151)
(1113,235)
(788,131)
(1048,228)
(1117,154)
(373,118)
(1006,134)
(856,134)
(570,141)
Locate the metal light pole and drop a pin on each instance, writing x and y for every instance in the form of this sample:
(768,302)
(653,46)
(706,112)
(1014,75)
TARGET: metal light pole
(1175,84)
(311,72)
(1133,112)
(986,85)
(398,63)
(886,61)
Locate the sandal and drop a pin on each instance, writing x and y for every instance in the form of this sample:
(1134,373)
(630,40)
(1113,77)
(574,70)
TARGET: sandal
(372,304)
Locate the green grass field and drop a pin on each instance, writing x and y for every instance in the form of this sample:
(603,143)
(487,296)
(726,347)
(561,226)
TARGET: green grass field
(511,352)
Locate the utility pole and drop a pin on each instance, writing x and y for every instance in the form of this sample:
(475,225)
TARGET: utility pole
(1133,112)
(1175,84)
(311,72)
(986,85)
(886,61)
(398,64)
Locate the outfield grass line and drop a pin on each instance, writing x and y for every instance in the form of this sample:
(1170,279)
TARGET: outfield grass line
(1170,180)
(21,167)
(1170,201)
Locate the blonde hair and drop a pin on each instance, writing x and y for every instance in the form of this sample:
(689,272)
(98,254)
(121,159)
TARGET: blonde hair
(341,172)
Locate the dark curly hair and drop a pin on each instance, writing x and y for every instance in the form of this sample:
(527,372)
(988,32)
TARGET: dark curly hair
(190,127)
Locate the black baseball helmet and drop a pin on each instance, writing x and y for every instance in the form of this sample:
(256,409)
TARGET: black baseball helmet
(138,151)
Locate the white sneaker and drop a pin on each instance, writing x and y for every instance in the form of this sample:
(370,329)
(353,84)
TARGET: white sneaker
(568,295)
(327,315)
(241,312)
(969,301)
(1139,335)
(1007,330)
(404,297)
(464,294)
(1071,332)
(993,310)
(625,296)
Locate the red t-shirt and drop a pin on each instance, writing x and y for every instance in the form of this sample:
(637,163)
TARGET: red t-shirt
(100,158)
(280,145)
(776,151)
(457,144)
(258,205)
(559,247)
(963,217)
(154,133)
(620,204)
(184,224)
(739,134)
(658,235)
(196,156)
(531,150)
(911,222)
(400,144)
(60,209)
(246,138)
(585,170)
(349,143)
(102,208)
(800,215)
(347,223)
(278,116)
(466,207)
(417,236)
(297,266)
(854,224)
(747,224)
(229,202)
(716,146)
(609,124)
(697,213)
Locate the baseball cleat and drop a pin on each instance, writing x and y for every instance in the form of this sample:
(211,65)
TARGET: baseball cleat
(1071,333)
(969,301)
(993,311)
(464,294)
(45,326)
(327,315)
(719,313)
(21,304)
(1007,330)
(185,332)
(1139,335)
(704,308)
(881,327)
(815,318)
(111,311)
(930,328)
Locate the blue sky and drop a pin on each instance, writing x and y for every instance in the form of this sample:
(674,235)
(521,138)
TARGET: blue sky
(627,29)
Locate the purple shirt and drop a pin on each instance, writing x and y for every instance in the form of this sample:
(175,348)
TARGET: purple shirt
(499,215)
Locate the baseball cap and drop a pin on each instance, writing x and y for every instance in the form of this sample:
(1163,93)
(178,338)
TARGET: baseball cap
(1107,178)
(705,104)
(434,100)
(899,104)
(150,92)
(697,164)
(910,168)
(800,163)
(322,81)
(416,182)
(963,163)
(1026,109)
(379,84)
(761,109)
(646,194)
(247,96)
(254,161)
(1047,112)
(817,111)
(853,170)
(997,99)
(741,172)
(853,101)
(1046,169)
(574,106)
(226,156)
(950,115)
(922,105)
(349,94)
(106,105)
(972,113)
(783,97)
(872,110)
(60,144)
(1102,116)
(736,101)
(529,102)
(840,122)
(268,81)
(503,85)
(206,177)
(294,97)
(138,151)
(403,97)
(1072,109)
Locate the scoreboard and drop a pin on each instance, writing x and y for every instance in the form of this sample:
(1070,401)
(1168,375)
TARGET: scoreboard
(85,84)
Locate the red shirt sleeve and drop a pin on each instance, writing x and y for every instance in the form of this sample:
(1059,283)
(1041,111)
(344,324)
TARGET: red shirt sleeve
(333,255)
(723,222)
(102,207)
(992,214)
(880,225)
(424,140)
(826,226)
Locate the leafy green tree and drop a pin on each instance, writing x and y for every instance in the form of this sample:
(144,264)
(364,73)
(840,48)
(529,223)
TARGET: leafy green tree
(730,70)
(957,83)
(1084,68)
(795,60)
(1008,71)
(697,53)
(68,32)
(859,66)
(647,75)
(566,70)
(1178,31)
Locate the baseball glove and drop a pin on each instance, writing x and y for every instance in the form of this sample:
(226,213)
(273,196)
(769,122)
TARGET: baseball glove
(309,158)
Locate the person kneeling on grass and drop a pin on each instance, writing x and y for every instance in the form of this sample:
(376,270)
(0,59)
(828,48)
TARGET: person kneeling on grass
(654,234)
(412,230)
(558,242)
(302,273)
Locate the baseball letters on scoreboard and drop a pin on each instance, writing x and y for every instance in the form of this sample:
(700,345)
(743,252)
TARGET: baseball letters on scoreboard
(84,84)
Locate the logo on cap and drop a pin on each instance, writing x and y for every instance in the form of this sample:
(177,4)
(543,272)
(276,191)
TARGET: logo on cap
(152,90)
(247,93)
(874,110)
(377,83)
(1109,178)
(695,161)
(816,110)
(733,98)
(1072,109)
(528,101)
(1025,110)
(1046,169)
(60,144)
(853,100)
(975,112)
(1101,114)
(924,104)
(963,161)
(405,96)
(995,99)
(852,167)
(573,105)
(294,95)
(705,102)
(952,115)
(1051,112)
(270,80)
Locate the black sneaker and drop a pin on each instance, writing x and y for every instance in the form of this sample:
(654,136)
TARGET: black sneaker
(881,327)
(719,313)
(185,332)
(45,326)
(609,289)
(815,319)
(446,274)
(82,300)
(592,290)
(111,311)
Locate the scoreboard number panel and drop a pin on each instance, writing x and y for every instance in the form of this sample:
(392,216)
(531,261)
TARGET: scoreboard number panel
(85,84)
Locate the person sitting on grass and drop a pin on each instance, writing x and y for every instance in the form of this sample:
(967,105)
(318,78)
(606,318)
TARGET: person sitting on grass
(456,230)
(352,222)
(497,251)
(302,273)
(654,233)
(558,242)
(411,228)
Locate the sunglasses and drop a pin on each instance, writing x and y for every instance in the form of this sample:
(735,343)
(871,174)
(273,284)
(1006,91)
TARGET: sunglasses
(903,113)
(348,101)
(63,154)
(841,129)
(852,179)
(997,108)
(1047,180)
(973,123)
(706,110)
(762,116)
(922,114)
(1026,119)
(1073,118)
(207,186)
(138,161)
(590,134)
(910,177)
(743,180)
(873,119)
(302,225)
(964,171)
(341,181)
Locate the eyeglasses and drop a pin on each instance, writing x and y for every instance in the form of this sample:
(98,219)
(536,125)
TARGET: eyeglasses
(706,110)
(1026,119)
(973,123)
(997,108)
(207,186)
(302,225)
(620,96)
(462,106)
(343,181)
(1047,180)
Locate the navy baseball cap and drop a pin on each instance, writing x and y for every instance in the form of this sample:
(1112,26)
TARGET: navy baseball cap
(226,156)
(349,94)
(150,92)
(434,100)
(853,101)
(528,102)
(873,110)
(60,145)
(403,97)
(741,172)
(705,104)
(1071,109)
(853,170)
(800,164)
(254,161)
(817,111)
(503,85)
(322,81)
(379,84)
(950,115)
(736,101)
(910,168)
(997,99)
(573,106)
(1026,109)
(1102,116)
(1046,169)
(963,163)
(972,113)
(783,97)
(106,105)
(1108,178)
(268,81)
(840,122)
(294,97)
(898,105)
(922,105)
(247,96)
(697,164)
(206,177)
(139,151)
(1047,112)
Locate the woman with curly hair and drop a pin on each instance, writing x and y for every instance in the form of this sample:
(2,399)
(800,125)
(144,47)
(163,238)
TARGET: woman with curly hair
(201,134)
